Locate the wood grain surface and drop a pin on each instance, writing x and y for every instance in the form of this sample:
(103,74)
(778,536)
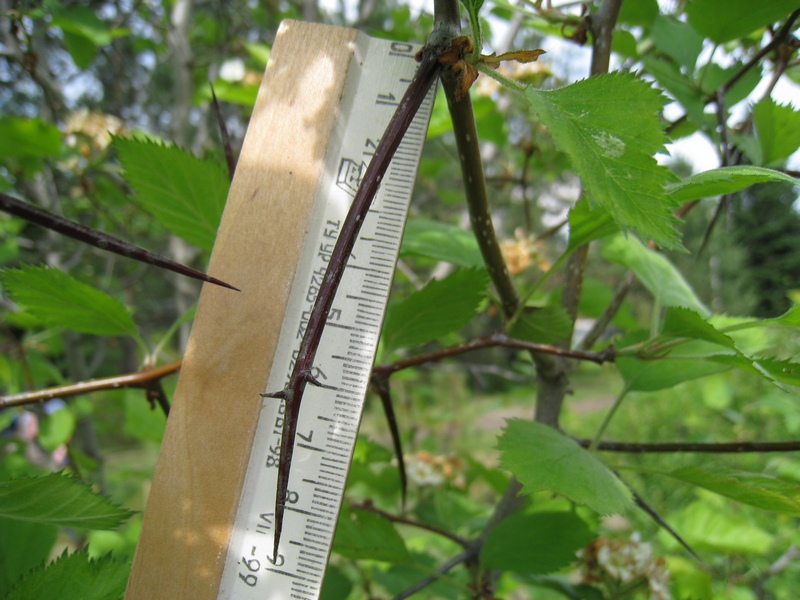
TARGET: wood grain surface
(201,468)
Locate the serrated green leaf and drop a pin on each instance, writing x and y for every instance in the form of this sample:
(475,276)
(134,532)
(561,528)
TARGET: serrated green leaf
(440,241)
(361,534)
(609,127)
(665,373)
(535,543)
(685,323)
(545,325)
(726,20)
(778,129)
(655,272)
(545,459)
(679,86)
(23,546)
(784,371)
(756,489)
(20,137)
(55,298)
(75,577)
(58,500)
(441,307)
(724,180)
(587,224)
(185,194)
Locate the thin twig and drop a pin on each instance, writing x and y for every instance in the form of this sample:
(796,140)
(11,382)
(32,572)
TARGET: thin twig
(367,505)
(98,239)
(700,447)
(465,556)
(492,341)
(137,379)
(609,313)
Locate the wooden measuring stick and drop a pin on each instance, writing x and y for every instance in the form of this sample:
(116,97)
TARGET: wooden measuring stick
(207,443)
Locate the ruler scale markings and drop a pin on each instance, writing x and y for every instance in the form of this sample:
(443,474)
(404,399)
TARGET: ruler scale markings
(372,281)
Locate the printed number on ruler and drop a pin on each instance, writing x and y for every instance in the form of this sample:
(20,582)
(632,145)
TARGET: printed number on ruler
(328,424)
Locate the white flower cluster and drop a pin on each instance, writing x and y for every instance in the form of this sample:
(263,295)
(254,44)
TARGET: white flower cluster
(626,560)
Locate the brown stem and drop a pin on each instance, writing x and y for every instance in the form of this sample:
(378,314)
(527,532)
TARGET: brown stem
(700,447)
(138,379)
(492,341)
(367,505)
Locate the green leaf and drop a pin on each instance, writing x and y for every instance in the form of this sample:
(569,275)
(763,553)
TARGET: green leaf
(336,585)
(724,180)
(685,323)
(778,129)
(56,298)
(361,534)
(664,373)
(23,546)
(536,543)
(545,325)
(679,86)
(56,428)
(713,76)
(726,20)
(185,194)
(756,489)
(84,33)
(678,40)
(609,127)
(783,371)
(587,224)
(641,12)
(655,272)
(545,459)
(440,241)
(20,137)
(58,500)
(75,577)
(441,307)
(713,527)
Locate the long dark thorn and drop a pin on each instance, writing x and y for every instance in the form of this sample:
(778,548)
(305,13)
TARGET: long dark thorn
(382,387)
(660,521)
(223,132)
(426,74)
(98,239)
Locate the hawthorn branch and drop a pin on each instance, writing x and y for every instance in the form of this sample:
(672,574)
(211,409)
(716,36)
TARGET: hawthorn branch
(426,75)
(144,379)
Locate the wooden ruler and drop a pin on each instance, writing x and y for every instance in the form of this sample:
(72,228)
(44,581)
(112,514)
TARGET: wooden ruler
(325,99)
